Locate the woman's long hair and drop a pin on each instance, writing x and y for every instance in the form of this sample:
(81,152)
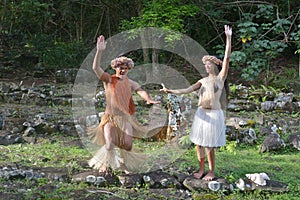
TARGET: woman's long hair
(225,91)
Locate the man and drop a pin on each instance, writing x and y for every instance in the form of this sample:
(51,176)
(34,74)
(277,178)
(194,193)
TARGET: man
(117,127)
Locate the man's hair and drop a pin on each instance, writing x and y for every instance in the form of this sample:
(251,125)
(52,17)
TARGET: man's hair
(122,61)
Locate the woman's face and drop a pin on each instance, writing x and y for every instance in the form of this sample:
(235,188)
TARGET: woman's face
(209,67)
(121,71)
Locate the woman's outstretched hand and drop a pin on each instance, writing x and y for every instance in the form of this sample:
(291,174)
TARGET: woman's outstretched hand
(101,43)
(164,89)
(228,30)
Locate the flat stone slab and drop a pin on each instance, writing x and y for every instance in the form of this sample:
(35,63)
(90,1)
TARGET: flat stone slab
(194,184)
(273,186)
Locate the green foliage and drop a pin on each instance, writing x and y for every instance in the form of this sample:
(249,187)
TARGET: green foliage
(233,88)
(185,140)
(230,147)
(25,16)
(51,32)
(168,15)
(56,54)
(262,35)
(238,58)
(254,67)
(295,36)
(257,40)
(263,31)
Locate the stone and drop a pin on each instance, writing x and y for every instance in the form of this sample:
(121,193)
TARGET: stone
(242,91)
(239,105)
(267,106)
(66,75)
(29,131)
(92,120)
(100,181)
(247,136)
(159,179)
(4,87)
(231,133)
(67,127)
(284,98)
(273,186)
(90,179)
(294,140)
(179,114)
(8,138)
(194,184)
(85,177)
(1,122)
(130,180)
(265,131)
(272,142)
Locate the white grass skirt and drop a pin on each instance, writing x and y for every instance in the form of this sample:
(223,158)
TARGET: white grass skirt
(208,128)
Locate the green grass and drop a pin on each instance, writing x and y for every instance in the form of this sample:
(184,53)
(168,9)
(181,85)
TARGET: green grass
(46,153)
(282,166)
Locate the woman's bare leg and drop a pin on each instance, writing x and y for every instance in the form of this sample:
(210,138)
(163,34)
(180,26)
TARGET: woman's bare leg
(201,160)
(211,164)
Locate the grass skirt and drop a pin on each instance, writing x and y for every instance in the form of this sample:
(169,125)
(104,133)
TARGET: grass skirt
(117,158)
(208,128)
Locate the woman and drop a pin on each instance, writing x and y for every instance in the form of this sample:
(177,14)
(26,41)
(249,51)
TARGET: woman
(117,127)
(208,128)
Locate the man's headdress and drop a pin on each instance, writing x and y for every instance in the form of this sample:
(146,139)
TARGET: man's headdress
(122,61)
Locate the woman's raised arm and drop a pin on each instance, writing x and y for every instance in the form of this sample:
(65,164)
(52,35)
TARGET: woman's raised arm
(225,64)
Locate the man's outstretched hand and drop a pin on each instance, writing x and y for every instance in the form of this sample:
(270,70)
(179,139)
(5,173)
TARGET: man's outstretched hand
(101,43)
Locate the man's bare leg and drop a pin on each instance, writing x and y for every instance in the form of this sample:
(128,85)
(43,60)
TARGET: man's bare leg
(201,160)
(109,145)
(211,163)
(128,137)
(127,146)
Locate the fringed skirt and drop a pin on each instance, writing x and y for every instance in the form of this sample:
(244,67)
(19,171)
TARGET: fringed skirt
(208,128)
(117,158)
(136,160)
(119,123)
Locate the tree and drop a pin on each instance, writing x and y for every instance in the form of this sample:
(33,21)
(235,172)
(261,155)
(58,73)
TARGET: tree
(169,15)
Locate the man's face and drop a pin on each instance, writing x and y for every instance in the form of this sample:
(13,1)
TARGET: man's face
(121,71)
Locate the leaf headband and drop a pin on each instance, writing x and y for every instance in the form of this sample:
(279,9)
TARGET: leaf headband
(122,61)
(212,59)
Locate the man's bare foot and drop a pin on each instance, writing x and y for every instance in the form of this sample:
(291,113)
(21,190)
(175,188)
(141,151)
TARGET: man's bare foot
(103,169)
(124,169)
(199,174)
(209,176)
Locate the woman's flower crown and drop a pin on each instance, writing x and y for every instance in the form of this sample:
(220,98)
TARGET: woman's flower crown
(212,59)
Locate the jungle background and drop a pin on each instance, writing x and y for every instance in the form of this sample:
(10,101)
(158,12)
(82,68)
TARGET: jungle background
(38,38)
(51,35)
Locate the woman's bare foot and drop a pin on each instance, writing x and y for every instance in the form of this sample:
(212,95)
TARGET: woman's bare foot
(199,174)
(209,176)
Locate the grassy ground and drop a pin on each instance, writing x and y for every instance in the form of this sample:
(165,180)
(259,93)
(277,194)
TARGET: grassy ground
(281,166)
(55,151)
